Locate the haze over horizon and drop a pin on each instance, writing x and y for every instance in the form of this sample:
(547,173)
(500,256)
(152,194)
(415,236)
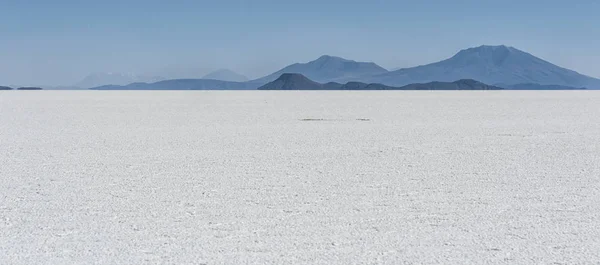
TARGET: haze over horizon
(60,42)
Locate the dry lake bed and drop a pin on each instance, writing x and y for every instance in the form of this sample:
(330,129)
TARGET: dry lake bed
(198,177)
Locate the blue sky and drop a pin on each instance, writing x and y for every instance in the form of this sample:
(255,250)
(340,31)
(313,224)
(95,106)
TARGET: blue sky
(59,42)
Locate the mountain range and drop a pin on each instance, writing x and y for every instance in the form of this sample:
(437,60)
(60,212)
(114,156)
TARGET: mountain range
(500,66)
(185,84)
(301,82)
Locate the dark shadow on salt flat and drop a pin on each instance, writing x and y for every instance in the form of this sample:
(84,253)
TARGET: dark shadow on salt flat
(513,135)
(319,119)
(310,119)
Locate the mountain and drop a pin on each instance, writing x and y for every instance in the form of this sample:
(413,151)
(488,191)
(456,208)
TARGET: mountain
(226,75)
(301,82)
(5,88)
(184,84)
(329,68)
(101,79)
(491,65)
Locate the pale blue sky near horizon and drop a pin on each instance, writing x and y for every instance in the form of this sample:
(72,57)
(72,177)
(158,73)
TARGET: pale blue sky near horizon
(59,42)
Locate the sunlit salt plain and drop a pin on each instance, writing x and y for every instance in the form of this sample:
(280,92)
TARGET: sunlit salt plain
(126,177)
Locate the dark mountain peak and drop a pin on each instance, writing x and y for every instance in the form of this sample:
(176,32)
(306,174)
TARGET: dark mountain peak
(292,81)
(292,77)
(473,83)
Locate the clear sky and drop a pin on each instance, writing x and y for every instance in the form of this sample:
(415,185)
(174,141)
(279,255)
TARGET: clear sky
(58,42)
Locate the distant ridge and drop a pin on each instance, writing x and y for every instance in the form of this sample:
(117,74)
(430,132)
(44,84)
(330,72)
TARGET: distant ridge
(290,81)
(5,88)
(117,79)
(329,69)
(184,84)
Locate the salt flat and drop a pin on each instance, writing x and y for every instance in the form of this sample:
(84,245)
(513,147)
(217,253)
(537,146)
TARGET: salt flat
(138,177)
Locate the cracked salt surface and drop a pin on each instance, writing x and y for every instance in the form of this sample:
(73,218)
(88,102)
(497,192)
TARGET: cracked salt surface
(134,177)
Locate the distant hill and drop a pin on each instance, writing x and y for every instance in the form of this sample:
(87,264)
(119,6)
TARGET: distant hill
(327,69)
(463,84)
(300,82)
(491,65)
(5,88)
(365,86)
(540,87)
(185,84)
(118,79)
(226,75)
